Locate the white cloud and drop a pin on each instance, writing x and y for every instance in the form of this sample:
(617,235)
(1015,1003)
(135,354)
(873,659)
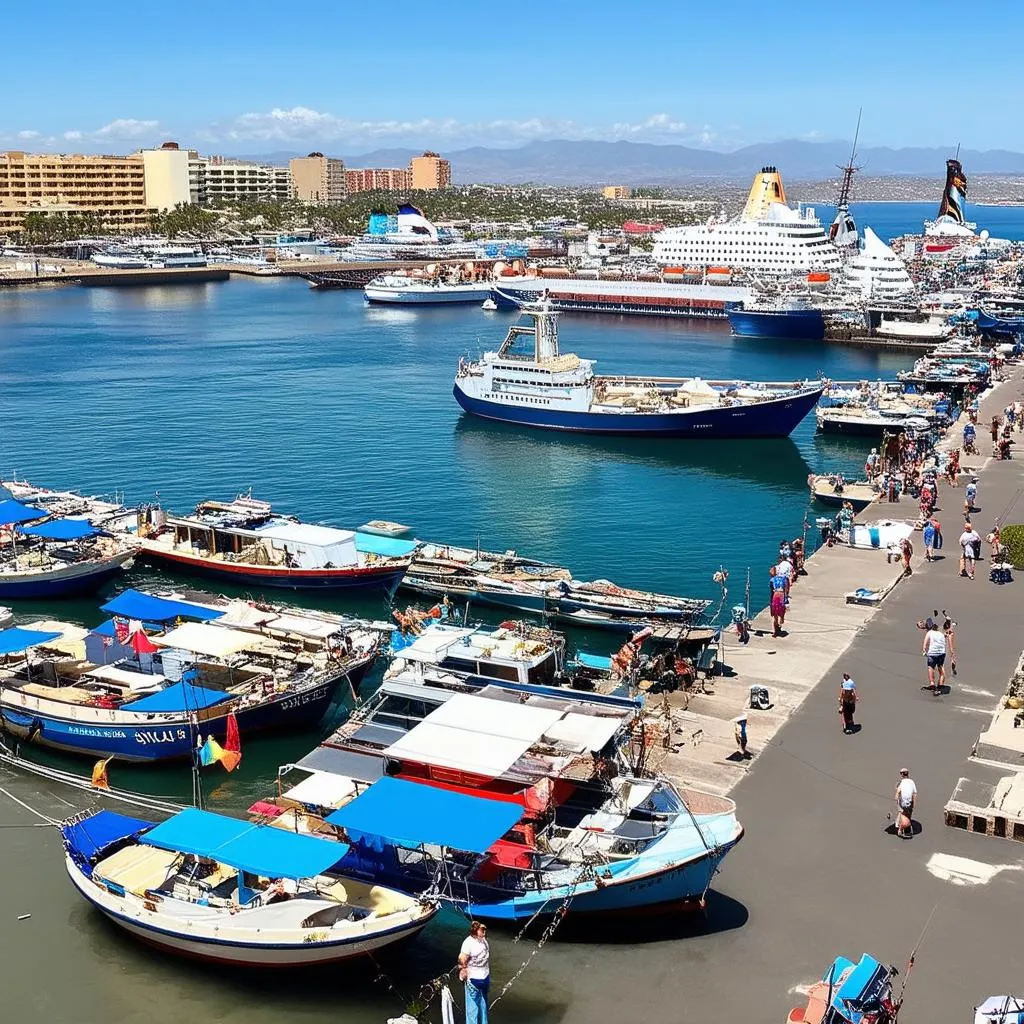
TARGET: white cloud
(303,127)
(28,135)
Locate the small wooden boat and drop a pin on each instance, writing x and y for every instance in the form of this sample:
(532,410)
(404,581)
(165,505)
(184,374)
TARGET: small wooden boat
(851,993)
(831,489)
(231,892)
(245,542)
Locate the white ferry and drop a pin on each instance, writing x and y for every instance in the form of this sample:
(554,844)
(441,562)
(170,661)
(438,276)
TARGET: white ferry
(769,237)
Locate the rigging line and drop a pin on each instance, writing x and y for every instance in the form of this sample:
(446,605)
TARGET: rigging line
(31,810)
(826,774)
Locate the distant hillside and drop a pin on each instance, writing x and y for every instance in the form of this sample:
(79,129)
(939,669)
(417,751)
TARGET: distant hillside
(565,162)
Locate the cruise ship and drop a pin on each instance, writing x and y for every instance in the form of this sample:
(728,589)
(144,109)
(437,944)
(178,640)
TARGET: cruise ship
(876,272)
(768,238)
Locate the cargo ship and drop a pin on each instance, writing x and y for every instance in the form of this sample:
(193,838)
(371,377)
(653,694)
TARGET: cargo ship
(558,391)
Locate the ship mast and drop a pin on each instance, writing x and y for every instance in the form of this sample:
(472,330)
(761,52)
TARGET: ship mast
(850,169)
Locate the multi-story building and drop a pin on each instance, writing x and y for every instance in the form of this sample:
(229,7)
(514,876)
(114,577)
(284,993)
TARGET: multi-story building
(430,171)
(317,178)
(386,179)
(230,181)
(111,187)
(167,176)
(616,192)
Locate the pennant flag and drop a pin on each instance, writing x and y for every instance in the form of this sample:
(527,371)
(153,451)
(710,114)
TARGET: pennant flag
(99,774)
(121,630)
(141,644)
(232,756)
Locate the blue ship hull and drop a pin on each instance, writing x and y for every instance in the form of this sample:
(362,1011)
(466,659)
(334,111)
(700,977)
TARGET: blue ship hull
(775,418)
(802,324)
(32,587)
(169,740)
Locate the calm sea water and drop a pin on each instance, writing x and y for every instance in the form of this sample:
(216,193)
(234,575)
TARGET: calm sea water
(341,413)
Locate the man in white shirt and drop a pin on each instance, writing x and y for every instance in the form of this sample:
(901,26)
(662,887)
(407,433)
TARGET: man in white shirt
(934,649)
(906,797)
(968,539)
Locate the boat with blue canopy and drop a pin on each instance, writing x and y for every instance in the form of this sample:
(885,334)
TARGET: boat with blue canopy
(851,993)
(161,676)
(232,892)
(43,557)
(644,847)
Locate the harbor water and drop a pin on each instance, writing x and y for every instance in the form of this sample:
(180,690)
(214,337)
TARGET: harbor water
(341,413)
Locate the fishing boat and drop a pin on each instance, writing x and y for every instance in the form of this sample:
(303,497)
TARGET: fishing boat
(232,892)
(174,688)
(1000,1010)
(46,557)
(245,542)
(851,993)
(832,489)
(998,324)
(524,585)
(556,391)
(865,421)
(884,533)
(105,513)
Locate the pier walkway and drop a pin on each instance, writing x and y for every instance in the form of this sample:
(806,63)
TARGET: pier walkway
(817,873)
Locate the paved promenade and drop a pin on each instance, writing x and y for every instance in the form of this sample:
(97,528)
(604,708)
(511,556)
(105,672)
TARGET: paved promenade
(817,874)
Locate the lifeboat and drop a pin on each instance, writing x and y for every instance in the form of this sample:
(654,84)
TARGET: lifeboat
(819,277)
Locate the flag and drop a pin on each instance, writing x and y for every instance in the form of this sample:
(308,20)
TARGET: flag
(232,755)
(121,631)
(210,752)
(141,644)
(99,774)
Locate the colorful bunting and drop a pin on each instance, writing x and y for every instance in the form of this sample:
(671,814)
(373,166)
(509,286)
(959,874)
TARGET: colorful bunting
(141,644)
(232,745)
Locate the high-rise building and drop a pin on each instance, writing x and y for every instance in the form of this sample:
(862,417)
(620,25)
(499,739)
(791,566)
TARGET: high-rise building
(616,192)
(386,179)
(111,187)
(166,176)
(430,171)
(317,178)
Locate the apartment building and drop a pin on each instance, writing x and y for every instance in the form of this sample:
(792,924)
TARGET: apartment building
(369,179)
(317,178)
(616,192)
(112,187)
(430,171)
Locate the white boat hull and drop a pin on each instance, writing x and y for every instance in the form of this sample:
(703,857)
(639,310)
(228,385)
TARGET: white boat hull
(218,940)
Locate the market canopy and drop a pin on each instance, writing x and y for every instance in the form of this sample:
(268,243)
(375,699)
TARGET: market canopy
(12,511)
(137,604)
(179,697)
(410,813)
(15,640)
(214,641)
(257,849)
(61,529)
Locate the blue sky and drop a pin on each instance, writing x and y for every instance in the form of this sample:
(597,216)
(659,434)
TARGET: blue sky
(348,77)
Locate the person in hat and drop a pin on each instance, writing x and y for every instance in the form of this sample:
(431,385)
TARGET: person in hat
(741,735)
(906,797)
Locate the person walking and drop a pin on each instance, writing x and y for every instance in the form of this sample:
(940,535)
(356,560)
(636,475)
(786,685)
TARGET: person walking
(934,649)
(928,534)
(970,539)
(906,553)
(971,495)
(740,732)
(779,584)
(848,698)
(994,428)
(475,971)
(906,797)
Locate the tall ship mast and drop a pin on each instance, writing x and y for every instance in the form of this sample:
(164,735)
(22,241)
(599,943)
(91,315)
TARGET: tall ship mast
(843,232)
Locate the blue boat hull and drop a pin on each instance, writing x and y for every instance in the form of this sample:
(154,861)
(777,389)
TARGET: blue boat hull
(999,325)
(168,741)
(802,324)
(776,418)
(30,588)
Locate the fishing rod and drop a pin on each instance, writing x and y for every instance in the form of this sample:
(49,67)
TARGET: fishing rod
(910,963)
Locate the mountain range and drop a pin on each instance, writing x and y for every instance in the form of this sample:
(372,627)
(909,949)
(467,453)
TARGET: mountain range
(566,162)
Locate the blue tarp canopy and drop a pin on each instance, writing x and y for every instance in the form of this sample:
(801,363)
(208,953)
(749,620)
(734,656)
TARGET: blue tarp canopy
(136,604)
(100,830)
(15,640)
(409,813)
(258,849)
(179,697)
(61,529)
(12,511)
(388,547)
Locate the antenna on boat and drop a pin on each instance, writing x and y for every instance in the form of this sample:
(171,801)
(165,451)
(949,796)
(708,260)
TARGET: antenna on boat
(910,963)
(846,188)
